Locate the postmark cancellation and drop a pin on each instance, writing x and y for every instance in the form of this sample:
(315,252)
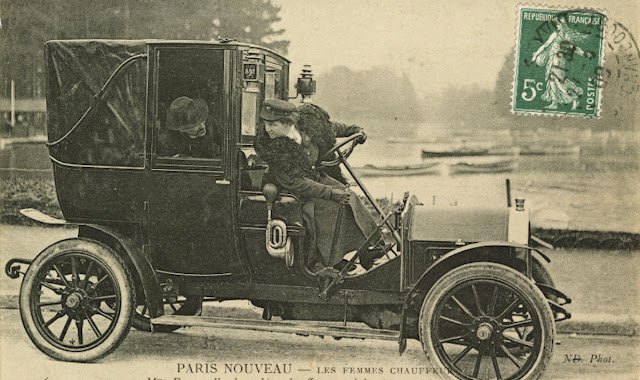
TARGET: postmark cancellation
(559,61)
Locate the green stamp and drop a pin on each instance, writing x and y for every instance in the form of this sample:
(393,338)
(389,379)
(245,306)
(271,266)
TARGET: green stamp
(559,56)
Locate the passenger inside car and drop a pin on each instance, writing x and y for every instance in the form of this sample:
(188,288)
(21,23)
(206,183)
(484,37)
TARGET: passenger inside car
(188,130)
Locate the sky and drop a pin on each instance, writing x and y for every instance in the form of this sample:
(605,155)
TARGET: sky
(436,43)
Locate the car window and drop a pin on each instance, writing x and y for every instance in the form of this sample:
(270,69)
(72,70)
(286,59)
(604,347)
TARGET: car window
(189,103)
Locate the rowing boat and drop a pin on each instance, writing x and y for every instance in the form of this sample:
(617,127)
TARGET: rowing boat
(550,150)
(398,170)
(461,152)
(502,166)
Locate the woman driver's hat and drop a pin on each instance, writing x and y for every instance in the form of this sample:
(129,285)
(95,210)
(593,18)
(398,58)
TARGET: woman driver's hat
(186,113)
(276,109)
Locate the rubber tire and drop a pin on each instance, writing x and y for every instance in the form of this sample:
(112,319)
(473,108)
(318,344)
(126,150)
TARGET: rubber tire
(499,273)
(122,279)
(541,275)
(191,306)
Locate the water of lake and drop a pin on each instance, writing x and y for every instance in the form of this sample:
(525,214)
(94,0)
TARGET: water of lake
(594,190)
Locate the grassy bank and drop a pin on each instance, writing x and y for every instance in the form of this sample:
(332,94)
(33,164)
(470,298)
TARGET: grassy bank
(588,239)
(16,194)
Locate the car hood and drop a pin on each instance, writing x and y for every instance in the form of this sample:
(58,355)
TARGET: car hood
(459,224)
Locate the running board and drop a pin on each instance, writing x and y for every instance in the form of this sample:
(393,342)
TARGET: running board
(301,328)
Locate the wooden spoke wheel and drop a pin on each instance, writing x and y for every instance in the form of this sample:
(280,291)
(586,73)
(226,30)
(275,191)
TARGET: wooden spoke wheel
(182,306)
(487,321)
(77,300)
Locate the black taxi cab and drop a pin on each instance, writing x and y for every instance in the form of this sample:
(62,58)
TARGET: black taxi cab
(161,232)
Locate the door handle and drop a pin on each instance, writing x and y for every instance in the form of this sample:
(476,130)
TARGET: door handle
(222,182)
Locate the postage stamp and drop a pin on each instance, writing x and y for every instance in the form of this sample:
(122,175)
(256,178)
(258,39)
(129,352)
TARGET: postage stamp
(559,57)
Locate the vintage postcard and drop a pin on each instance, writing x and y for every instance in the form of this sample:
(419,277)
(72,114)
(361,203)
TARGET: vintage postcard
(319,190)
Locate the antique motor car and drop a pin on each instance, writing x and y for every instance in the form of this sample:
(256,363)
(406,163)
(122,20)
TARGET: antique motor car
(160,233)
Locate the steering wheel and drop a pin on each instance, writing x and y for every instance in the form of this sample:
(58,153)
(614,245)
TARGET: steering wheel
(329,160)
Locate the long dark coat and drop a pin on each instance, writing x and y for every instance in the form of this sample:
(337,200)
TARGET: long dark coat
(294,167)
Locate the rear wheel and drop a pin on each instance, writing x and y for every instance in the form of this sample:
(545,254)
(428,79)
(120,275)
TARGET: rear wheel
(77,300)
(472,322)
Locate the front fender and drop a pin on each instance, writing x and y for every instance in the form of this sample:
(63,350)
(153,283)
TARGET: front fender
(444,263)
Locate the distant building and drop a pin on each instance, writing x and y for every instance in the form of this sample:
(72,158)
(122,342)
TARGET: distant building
(30,118)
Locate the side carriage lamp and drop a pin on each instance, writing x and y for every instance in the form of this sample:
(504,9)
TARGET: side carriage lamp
(306,85)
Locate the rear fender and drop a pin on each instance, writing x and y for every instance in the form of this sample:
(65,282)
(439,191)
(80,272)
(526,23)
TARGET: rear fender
(127,247)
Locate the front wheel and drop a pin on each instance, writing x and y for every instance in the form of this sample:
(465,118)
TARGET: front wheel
(77,300)
(473,320)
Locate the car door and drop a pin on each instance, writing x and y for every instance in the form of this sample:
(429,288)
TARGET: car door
(191,223)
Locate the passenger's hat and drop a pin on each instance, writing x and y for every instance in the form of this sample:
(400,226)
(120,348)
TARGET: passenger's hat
(276,109)
(186,113)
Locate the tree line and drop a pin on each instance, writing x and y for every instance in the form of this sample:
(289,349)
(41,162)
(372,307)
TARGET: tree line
(27,25)
(374,96)
(377,94)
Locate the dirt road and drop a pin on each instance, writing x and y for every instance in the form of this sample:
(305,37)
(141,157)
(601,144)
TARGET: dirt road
(199,354)
(591,277)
